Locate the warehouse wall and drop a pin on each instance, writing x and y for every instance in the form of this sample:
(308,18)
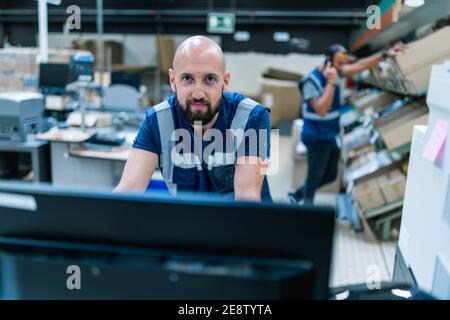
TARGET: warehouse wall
(141,50)
(260,18)
(261,38)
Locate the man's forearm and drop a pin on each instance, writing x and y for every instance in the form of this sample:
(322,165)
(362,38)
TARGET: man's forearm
(371,61)
(363,64)
(248,178)
(325,101)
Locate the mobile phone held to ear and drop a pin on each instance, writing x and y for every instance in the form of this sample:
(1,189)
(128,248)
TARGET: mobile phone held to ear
(328,62)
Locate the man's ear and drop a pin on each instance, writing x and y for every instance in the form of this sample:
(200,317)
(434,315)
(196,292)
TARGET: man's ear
(226,80)
(172,79)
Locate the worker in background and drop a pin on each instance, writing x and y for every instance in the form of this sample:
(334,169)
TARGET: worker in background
(321,91)
(200,108)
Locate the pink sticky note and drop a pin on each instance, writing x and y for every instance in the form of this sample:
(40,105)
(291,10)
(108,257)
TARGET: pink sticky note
(436,143)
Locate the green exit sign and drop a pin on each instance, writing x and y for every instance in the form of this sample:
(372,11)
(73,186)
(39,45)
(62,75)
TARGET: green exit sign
(221,22)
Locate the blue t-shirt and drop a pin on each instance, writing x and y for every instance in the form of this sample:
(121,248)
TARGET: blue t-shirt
(316,128)
(198,178)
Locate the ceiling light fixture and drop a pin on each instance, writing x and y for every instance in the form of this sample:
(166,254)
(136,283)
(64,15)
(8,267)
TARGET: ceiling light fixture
(414,3)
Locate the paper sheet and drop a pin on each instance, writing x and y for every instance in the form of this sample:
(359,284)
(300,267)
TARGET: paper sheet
(435,145)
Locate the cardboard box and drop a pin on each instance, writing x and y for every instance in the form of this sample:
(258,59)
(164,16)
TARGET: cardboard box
(166,52)
(396,128)
(374,100)
(392,186)
(418,82)
(400,132)
(19,68)
(409,111)
(113,51)
(368,195)
(425,51)
(353,98)
(414,65)
(133,68)
(281,94)
(60,55)
(273,73)
(360,151)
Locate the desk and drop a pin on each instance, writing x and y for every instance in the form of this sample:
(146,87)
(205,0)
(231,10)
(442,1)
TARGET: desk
(75,165)
(113,155)
(40,156)
(71,167)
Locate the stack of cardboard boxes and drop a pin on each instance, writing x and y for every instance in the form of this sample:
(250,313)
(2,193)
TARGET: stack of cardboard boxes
(113,51)
(372,172)
(410,71)
(396,128)
(280,92)
(166,52)
(377,192)
(369,101)
(19,67)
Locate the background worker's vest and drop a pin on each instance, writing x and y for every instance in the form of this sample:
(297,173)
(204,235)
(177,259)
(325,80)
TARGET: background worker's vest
(316,127)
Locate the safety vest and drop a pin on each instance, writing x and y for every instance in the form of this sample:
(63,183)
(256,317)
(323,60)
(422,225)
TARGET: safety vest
(308,112)
(222,170)
(319,127)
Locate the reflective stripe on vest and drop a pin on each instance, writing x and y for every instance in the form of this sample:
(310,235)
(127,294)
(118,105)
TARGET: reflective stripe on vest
(240,119)
(329,116)
(166,129)
(191,160)
(316,117)
(316,81)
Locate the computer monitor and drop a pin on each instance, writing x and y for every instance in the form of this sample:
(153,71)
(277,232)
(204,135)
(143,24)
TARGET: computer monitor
(130,78)
(36,270)
(53,77)
(192,225)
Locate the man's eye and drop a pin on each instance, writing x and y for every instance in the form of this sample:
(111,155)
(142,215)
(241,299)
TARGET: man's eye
(186,78)
(210,79)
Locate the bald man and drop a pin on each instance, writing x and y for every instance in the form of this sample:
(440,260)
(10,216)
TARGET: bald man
(202,138)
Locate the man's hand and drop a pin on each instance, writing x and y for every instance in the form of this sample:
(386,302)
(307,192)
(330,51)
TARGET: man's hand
(323,103)
(330,73)
(395,50)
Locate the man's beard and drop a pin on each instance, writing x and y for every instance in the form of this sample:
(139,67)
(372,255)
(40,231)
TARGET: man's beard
(204,116)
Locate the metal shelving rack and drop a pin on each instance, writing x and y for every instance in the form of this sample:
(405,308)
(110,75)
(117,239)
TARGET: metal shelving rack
(378,220)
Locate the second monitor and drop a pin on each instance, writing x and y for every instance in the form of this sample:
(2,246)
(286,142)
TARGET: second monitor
(53,78)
